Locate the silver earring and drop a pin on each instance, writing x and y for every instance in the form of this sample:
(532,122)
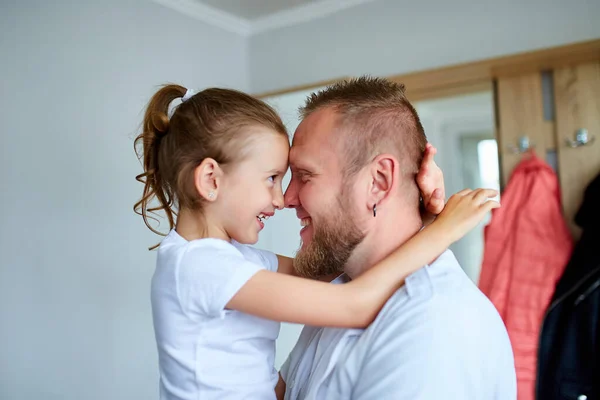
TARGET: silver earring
(374,210)
(211,195)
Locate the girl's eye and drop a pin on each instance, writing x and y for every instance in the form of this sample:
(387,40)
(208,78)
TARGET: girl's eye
(272,178)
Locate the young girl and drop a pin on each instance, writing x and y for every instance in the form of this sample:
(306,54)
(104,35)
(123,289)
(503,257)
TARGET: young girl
(217,164)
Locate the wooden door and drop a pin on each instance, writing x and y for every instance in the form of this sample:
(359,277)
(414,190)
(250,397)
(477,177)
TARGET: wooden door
(577,103)
(520,114)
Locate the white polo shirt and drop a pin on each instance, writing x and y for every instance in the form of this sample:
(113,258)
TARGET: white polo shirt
(438,337)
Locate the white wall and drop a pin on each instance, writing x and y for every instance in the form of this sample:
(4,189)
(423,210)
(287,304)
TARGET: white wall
(75,318)
(387,37)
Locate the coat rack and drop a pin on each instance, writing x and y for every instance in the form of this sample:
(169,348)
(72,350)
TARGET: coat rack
(523,146)
(581,139)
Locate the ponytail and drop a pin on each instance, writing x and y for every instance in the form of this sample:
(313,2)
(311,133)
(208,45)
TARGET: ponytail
(154,127)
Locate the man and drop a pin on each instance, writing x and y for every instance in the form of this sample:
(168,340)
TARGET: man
(354,159)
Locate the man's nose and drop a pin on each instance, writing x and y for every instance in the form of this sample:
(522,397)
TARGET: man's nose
(290,197)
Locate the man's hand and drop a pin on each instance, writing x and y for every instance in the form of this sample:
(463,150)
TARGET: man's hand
(430,180)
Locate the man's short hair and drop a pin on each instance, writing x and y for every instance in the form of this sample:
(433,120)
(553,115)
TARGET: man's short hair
(375,117)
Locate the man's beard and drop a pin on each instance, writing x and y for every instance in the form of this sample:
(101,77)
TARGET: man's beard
(331,246)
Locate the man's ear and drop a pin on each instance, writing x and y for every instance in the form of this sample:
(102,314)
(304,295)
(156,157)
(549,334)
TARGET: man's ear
(207,179)
(384,171)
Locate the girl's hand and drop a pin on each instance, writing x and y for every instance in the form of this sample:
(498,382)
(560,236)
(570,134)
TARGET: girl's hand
(464,211)
(430,180)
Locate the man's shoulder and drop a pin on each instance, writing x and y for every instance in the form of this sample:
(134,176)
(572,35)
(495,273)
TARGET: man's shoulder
(438,318)
(442,277)
(437,328)
(437,296)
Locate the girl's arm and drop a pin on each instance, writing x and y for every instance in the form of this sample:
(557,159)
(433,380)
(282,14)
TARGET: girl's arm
(285,265)
(430,180)
(287,298)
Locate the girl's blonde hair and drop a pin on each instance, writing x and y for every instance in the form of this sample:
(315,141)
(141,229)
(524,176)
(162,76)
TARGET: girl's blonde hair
(214,123)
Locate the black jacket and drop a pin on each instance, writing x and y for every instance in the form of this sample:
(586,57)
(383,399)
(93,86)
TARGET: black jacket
(569,348)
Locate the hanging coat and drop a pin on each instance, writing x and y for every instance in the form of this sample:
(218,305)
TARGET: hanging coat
(569,348)
(527,245)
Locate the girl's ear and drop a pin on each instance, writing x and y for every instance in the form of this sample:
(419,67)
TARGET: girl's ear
(207,179)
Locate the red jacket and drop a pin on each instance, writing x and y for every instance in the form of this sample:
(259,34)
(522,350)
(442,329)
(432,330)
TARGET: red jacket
(527,245)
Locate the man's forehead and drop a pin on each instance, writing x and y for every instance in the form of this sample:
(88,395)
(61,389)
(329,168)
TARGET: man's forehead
(299,157)
(314,159)
(316,130)
(314,140)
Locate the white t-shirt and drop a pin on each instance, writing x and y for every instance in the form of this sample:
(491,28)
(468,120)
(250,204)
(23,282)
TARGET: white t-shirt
(437,337)
(205,351)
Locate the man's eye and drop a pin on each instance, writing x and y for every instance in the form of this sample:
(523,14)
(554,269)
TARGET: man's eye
(302,176)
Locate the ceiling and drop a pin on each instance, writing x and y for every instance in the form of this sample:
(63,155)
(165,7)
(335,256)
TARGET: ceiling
(249,17)
(254,9)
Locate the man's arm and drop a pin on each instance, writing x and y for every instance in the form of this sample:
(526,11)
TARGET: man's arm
(280,388)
